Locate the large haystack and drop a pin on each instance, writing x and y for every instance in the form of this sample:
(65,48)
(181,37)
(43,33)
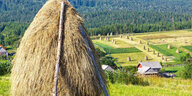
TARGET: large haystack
(34,63)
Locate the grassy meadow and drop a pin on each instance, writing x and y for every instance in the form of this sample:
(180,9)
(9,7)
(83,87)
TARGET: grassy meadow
(4,85)
(157,87)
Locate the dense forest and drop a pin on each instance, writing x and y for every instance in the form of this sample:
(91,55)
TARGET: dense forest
(101,16)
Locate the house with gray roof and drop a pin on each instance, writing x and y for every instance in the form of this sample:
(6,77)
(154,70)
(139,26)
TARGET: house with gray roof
(3,52)
(148,68)
(107,68)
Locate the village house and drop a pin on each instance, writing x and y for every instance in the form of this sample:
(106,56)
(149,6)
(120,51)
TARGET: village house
(107,68)
(149,68)
(3,51)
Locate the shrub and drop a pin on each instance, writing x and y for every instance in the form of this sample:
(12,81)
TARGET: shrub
(100,53)
(5,67)
(108,61)
(186,73)
(124,77)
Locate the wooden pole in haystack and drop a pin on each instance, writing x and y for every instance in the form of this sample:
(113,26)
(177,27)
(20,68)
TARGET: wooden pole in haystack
(60,41)
(102,83)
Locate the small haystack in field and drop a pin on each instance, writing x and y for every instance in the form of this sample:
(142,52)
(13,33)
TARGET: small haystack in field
(80,73)
(162,58)
(146,58)
(158,54)
(111,34)
(127,37)
(177,51)
(129,59)
(131,38)
(144,47)
(169,46)
(140,42)
(107,34)
(121,36)
(100,38)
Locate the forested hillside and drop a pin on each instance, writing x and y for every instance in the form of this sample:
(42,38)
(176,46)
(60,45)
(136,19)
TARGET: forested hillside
(102,16)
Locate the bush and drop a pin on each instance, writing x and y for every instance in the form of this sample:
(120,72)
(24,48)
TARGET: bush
(124,77)
(100,53)
(108,60)
(5,67)
(186,73)
(132,69)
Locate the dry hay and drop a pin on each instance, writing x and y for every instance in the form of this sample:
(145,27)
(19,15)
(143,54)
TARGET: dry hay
(111,34)
(129,59)
(156,37)
(34,63)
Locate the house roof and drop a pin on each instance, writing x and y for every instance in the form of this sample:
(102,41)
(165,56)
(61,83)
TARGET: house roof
(144,69)
(151,64)
(107,68)
(2,50)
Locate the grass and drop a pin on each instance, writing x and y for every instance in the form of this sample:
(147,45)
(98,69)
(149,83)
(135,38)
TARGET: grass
(4,85)
(189,48)
(134,90)
(176,70)
(136,57)
(112,50)
(163,49)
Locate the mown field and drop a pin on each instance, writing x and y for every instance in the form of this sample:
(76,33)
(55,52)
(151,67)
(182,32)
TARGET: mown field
(171,53)
(158,41)
(135,58)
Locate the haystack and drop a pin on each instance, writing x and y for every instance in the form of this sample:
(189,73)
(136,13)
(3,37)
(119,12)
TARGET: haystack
(34,63)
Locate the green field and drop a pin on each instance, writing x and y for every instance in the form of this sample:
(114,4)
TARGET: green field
(4,86)
(163,49)
(134,90)
(112,50)
(188,48)
(176,70)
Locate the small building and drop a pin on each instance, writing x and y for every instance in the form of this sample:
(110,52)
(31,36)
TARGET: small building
(107,68)
(149,68)
(3,52)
